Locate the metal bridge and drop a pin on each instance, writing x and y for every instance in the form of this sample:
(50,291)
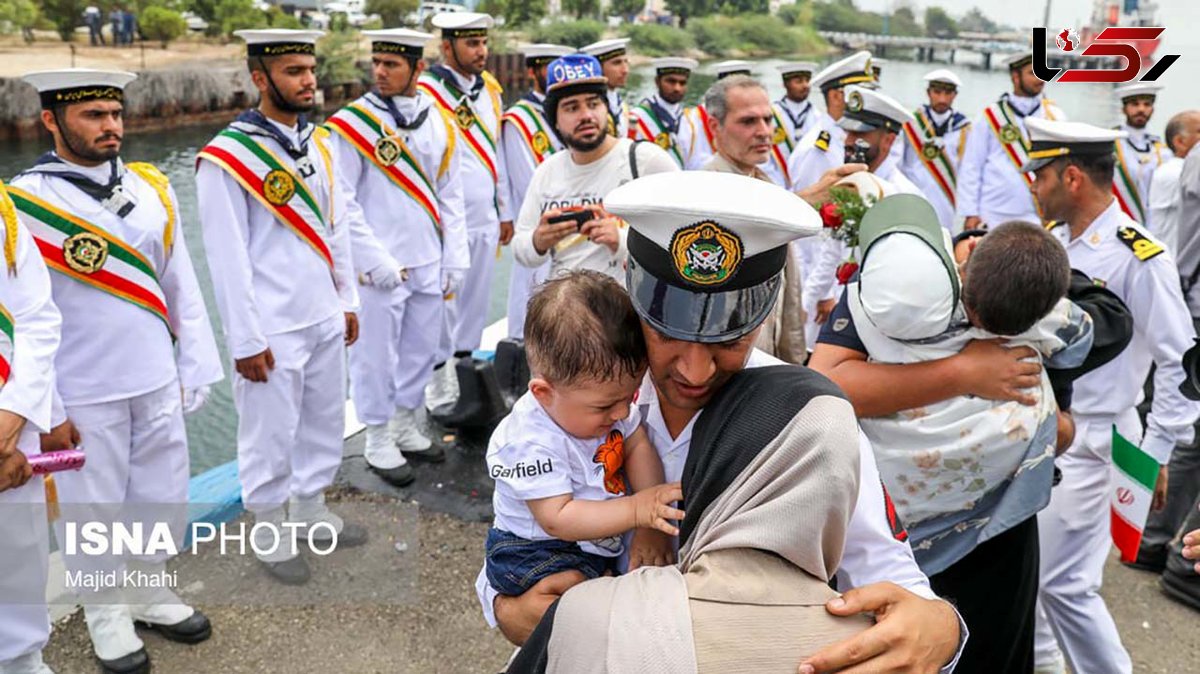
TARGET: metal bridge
(926,47)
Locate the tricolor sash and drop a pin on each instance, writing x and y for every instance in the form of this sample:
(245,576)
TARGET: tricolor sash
(531,126)
(6,344)
(703,114)
(266,178)
(781,145)
(1002,121)
(644,125)
(1125,185)
(8,213)
(933,156)
(449,98)
(389,153)
(91,255)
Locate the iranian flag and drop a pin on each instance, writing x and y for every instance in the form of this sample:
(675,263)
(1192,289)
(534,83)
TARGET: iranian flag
(1134,476)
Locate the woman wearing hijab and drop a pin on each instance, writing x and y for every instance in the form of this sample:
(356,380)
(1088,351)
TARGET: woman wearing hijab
(769,487)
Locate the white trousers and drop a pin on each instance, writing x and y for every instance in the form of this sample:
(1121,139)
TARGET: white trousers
(24,556)
(1076,538)
(290,427)
(398,335)
(469,310)
(522,281)
(137,469)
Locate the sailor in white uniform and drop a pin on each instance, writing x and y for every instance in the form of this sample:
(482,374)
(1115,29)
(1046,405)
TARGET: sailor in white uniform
(660,117)
(1073,162)
(991,188)
(820,149)
(794,116)
(463,88)
(135,334)
(702,148)
(29,335)
(1139,153)
(394,154)
(528,140)
(276,234)
(614,60)
(933,144)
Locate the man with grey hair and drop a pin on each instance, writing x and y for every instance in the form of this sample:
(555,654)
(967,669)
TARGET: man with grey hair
(1183,130)
(742,123)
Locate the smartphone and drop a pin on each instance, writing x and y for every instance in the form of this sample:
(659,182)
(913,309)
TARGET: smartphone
(578,217)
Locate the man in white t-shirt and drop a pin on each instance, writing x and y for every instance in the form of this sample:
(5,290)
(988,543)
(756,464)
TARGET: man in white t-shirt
(574,183)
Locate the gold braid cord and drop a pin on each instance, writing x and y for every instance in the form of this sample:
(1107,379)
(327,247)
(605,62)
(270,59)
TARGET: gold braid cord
(8,213)
(159,181)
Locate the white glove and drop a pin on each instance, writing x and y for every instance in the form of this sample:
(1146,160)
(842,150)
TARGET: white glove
(452,280)
(194,399)
(387,277)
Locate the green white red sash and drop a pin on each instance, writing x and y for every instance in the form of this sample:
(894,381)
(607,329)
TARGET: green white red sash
(781,146)
(644,125)
(478,137)
(933,156)
(1002,121)
(91,255)
(1125,187)
(703,119)
(266,178)
(531,126)
(364,131)
(6,344)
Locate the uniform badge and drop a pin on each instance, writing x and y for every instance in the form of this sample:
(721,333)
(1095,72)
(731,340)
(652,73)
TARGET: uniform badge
(854,102)
(1143,248)
(278,187)
(930,151)
(464,115)
(706,253)
(780,135)
(541,142)
(387,150)
(663,140)
(1010,133)
(822,143)
(85,252)
(840,324)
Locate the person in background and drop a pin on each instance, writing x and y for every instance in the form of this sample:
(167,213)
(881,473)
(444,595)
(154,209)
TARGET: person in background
(614,59)
(1139,153)
(794,116)
(704,148)
(1166,190)
(934,144)
(528,141)
(660,118)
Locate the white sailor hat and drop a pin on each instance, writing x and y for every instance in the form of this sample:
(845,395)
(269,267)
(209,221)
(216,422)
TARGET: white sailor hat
(462,24)
(607,49)
(943,76)
(868,109)
(854,69)
(1018,60)
(674,65)
(77,85)
(793,68)
(1138,90)
(726,68)
(908,283)
(402,41)
(537,55)
(279,41)
(706,250)
(1049,140)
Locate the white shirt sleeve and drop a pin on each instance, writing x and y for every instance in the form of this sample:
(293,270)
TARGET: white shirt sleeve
(29,391)
(224,220)
(970,170)
(368,254)
(197,358)
(339,247)
(522,243)
(451,205)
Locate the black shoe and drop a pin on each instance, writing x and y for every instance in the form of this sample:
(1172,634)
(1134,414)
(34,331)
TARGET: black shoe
(351,536)
(1180,581)
(512,369)
(434,454)
(137,662)
(480,402)
(1150,559)
(191,630)
(290,572)
(400,476)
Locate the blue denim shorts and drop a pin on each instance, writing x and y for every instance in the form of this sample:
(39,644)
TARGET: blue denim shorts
(515,564)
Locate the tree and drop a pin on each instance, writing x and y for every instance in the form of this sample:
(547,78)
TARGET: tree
(162,24)
(687,9)
(582,8)
(66,15)
(976,22)
(393,12)
(336,58)
(20,15)
(940,24)
(233,15)
(626,8)
(904,22)
(516,12)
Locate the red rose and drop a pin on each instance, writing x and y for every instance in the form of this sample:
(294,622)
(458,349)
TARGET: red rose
(845,270)
(829,216)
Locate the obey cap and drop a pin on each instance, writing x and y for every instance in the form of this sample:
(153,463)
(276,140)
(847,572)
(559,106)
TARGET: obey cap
(706,250)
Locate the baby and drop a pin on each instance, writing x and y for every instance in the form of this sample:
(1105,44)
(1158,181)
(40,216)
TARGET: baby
(573,469)
(965,469)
